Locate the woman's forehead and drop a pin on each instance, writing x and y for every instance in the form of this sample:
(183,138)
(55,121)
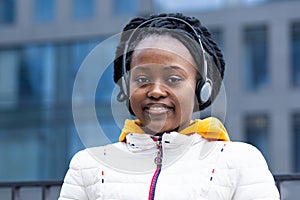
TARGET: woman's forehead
(162,48)
(165,43)
(154,68)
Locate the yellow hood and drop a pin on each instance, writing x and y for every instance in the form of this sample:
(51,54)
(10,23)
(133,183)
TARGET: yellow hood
(209,128)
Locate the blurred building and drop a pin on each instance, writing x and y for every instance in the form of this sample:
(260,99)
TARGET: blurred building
(44,42)
(42,45)
(261,48)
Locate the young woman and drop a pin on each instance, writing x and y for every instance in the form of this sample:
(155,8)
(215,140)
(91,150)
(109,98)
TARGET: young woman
(168,66)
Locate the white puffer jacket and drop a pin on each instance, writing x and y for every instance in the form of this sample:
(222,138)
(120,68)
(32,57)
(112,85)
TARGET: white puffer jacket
(193,168)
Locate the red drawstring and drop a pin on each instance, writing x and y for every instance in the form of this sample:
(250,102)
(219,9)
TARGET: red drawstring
(153,184)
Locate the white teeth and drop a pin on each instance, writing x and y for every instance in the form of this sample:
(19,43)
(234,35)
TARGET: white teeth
(157,108)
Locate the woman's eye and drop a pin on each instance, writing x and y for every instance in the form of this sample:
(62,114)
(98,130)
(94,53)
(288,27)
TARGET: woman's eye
(174,79)
(142,79)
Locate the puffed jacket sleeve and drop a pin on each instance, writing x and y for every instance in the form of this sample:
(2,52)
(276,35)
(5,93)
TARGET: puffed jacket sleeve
(73,187)
(255,180)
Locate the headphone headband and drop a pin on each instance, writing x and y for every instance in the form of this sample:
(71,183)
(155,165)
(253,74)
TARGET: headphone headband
(124,70)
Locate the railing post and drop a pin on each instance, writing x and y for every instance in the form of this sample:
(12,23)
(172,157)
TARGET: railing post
(15,193)
(45,192)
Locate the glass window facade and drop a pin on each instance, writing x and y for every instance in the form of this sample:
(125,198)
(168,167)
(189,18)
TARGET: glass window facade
(44,10)
(257,132)
(256,57)
(125,7)
(37,130)
(296,135)
(83,9)
(7,11)
(217,35)
(295,52)
(9,62)
(36,74)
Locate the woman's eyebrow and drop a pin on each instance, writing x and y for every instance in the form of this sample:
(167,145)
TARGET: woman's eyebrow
(177,68)
(137,69)
(140,68)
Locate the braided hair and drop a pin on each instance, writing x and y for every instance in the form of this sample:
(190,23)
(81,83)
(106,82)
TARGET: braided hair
(180,31)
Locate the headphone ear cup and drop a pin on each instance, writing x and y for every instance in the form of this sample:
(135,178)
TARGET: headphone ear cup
(206,91)
(203,91)
(124,86)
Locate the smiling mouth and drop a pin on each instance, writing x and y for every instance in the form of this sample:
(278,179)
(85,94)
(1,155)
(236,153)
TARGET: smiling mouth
(158,109)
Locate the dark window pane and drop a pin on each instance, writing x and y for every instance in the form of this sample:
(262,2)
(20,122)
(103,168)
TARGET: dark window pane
(296,132)
(257,131)
(83,8)
(9,65)
(36,74)
(295,52)
(7,11)
(256,58)
(44,10)
(125,7)
(217,35)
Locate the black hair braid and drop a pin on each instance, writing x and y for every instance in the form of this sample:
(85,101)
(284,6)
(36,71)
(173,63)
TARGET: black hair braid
(213,50)
(120,48)
(215,73)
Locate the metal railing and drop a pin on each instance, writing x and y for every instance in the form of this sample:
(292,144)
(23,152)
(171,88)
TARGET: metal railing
(35,190)
(288,186)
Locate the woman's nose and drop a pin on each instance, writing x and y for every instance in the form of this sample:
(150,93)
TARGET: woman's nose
(157,90)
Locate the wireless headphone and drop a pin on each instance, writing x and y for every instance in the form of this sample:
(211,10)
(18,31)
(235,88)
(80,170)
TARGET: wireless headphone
(203,88)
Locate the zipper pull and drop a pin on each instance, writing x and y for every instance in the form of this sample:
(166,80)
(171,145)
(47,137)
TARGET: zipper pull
(159,153)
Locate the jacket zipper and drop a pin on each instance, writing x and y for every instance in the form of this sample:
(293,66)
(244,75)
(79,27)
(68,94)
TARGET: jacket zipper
(158,162)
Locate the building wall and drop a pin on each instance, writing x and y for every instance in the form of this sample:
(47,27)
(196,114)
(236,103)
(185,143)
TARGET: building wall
(39,59)
(41,51)
(279,100)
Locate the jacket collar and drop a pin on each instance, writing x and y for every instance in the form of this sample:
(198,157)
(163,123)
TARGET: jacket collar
(209,128)
(137,140)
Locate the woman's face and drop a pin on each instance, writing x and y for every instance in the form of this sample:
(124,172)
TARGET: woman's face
(162,84)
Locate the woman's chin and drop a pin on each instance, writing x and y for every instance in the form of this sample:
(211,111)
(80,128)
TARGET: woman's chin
(155,128)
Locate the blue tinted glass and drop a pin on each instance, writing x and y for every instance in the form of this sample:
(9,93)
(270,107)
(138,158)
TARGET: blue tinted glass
(79,51)
(34,134)
(36,74)
(39,149)
(7,11)
(83,8)
(295,44)
(44,10)
(296,133)
(256,59)
(9,67)
(217,35)
(39,129)
(19,148)
(125,7)
(257,128)
(105,87)
(103,99)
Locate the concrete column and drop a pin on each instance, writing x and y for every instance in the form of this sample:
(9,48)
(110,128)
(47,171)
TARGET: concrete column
(233,79)
(280,135)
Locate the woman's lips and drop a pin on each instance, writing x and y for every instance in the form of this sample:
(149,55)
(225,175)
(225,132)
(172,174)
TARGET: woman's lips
(157,109)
